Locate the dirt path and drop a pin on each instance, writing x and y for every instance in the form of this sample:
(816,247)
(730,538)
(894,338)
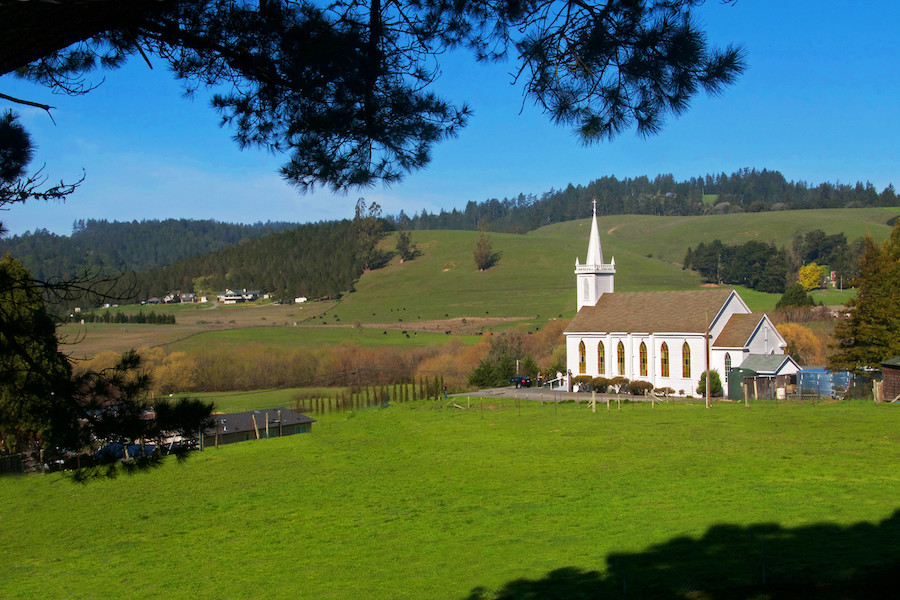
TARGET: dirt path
(459,325)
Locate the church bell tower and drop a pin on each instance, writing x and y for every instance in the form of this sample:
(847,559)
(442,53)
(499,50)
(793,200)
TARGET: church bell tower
(593,278)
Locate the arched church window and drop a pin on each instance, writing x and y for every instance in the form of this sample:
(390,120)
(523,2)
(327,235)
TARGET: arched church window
(685,360)
(727,366)
(664,360)
(643,357)
(582,359)
(620,358)
(601,359)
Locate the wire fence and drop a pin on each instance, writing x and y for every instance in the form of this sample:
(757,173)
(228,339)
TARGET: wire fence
(370,396)
(25,462)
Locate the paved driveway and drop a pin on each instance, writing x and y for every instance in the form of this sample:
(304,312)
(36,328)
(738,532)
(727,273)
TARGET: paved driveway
(545,394)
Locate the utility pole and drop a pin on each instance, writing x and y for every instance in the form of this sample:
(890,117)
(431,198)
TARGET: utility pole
(708,371)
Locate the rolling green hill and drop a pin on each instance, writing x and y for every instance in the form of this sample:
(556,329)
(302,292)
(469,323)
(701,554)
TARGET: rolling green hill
(669,237)
(535,273)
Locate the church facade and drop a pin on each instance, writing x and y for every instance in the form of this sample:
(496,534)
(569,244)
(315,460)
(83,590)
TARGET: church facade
(666,338)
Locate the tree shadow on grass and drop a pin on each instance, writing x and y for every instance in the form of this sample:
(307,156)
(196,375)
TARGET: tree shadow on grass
(732,562)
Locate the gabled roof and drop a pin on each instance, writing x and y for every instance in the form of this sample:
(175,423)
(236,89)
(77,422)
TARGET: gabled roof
(243,421)
(737,332)
(768,364)
(891,362)
(651,312)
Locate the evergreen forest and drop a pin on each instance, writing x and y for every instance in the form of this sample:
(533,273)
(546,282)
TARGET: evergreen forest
(318,260)
(135,245)
(765,268)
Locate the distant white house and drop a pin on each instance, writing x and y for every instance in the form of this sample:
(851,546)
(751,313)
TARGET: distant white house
(237,296)
(666,338)
(300,299)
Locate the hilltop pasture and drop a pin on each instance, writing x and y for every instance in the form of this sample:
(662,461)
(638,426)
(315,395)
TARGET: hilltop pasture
(423,500)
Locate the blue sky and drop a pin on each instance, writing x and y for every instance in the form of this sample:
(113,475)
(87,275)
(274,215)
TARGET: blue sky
(817,102)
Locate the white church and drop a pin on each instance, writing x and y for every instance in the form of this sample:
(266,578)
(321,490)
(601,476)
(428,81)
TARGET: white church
(660,337)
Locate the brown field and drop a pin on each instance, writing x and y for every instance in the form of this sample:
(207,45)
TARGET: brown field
(84,341)
(459,325)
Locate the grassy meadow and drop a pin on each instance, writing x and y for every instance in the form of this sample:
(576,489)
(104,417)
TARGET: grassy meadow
(668,238)
(294,337)
(497,501)
(232,402)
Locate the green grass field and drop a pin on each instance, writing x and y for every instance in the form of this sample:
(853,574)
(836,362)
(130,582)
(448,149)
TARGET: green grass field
(297,337)
(498,501)
(668,238)
(832,297)
(232,402)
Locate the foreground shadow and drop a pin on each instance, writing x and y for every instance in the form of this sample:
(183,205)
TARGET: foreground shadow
(732,562)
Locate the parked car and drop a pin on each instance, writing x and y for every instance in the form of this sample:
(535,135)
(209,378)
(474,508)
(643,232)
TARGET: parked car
(520,381)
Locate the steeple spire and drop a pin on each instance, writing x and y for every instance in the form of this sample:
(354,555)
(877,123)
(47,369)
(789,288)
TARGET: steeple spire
(593,278)
(595,252)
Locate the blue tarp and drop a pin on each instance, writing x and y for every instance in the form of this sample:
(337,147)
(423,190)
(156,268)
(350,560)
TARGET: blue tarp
(819,381)
(114,452)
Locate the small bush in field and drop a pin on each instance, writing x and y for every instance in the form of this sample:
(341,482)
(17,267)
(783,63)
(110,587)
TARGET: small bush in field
(620,383)
(600,384)
(639,388)
(583,382)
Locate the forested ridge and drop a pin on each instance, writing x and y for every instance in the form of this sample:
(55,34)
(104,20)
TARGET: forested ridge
(314,260)
(134,246)
(748,190)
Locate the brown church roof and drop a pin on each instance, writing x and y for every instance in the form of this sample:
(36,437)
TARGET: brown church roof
(738,330)
(651,312)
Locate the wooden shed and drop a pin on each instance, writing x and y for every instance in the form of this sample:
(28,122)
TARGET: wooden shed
(891,377)
(257,424)
(763,376)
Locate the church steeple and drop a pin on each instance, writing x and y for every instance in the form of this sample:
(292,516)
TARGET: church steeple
(593,278)
(595,252)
